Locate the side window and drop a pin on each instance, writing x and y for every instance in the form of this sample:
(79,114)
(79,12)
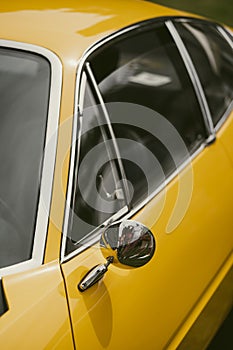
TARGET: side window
(24,100)
(213,59)
(97,191)
(144,69)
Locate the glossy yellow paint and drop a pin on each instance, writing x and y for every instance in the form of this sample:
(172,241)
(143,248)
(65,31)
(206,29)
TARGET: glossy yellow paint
(200,327)
(62,165)
(69,27)
(189,263)
(38,315)
(225,135)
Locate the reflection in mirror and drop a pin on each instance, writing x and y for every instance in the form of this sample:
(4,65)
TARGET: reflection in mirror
(129,242)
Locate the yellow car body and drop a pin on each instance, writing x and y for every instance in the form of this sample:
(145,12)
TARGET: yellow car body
(180,298)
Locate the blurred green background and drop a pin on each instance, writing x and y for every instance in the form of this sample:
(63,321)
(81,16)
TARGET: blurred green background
(218,10)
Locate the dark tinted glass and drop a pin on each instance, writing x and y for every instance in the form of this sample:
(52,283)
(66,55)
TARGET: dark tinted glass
(97,179)
(145,68)
(24,96)
(213,59)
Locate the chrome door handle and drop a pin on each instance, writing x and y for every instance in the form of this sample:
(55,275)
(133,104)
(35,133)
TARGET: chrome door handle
(94,275)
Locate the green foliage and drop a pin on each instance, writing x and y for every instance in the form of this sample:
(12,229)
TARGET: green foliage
(218,10)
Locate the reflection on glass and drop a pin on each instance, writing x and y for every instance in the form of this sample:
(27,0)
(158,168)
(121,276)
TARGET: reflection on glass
(213,60)
(144,68)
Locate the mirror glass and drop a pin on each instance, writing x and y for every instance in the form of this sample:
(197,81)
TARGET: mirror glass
(129,242)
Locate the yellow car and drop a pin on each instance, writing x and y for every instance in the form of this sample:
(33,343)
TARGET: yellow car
(116,177)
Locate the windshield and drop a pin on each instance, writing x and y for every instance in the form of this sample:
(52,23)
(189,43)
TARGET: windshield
(24,98)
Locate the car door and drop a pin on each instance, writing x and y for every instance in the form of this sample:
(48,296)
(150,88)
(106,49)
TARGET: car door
(165,170)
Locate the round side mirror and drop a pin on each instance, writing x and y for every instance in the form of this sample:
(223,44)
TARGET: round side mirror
(130,243)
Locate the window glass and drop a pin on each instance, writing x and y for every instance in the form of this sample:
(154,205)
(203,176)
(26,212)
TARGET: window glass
(24,97)
(145,68)
(97,193)
(213,60)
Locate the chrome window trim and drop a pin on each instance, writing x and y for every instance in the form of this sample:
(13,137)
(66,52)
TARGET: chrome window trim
(78,88)
(195,80)
(48,165)
(223,31)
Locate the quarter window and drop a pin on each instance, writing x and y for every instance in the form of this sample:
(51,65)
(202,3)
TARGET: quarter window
(213,59)
(97,189)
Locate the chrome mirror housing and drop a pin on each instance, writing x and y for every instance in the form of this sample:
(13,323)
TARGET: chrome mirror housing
(126,244)
(130,243)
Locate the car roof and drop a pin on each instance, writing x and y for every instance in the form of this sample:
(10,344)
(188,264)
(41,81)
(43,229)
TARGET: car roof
(69,27)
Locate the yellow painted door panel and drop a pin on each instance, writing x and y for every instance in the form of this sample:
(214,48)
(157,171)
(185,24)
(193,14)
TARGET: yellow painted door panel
(225,135)
(37,316)
(146,307)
